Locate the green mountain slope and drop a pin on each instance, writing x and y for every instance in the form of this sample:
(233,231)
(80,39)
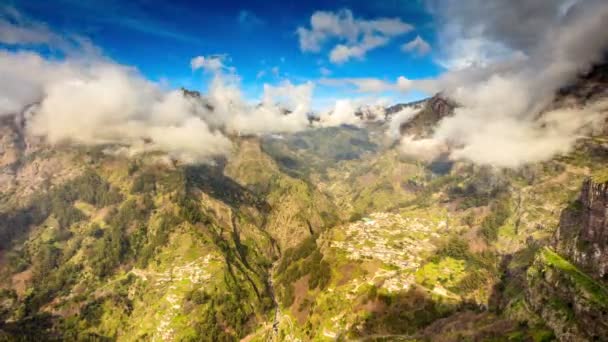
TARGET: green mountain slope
(329,234)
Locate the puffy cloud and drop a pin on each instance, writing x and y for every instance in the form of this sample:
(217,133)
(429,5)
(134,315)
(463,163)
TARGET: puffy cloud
(355,112)
(324,71)
(85,99)
(274,71)
(284,108)
(418,45)
(16,29)
(523,53)
(211,64)
(356,36)
(510,142)
(24,78)
(504,77)
(91,102)
(342,113)
(403,84)
(393,132)
(491,28)
(105,103)
(342,53)
(369,85)
(423,149)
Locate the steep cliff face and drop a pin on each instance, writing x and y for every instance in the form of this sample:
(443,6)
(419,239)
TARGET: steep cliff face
(583,233)
(567,284)
(435,109)
(570,301)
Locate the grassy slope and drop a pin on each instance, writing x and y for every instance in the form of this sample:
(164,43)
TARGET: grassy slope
(207,269)
(130,269)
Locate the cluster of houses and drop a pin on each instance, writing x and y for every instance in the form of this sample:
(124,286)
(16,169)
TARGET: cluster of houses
(390,238)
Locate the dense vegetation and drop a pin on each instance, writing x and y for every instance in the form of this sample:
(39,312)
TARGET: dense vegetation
(143,250)
(131,232)
(305,259)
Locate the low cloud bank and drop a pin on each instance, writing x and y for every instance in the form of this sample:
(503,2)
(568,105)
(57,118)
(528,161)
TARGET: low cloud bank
(101,102)
(393,131)
(84,98)
(283,108)
(518,54)
(504,63)
(94,101)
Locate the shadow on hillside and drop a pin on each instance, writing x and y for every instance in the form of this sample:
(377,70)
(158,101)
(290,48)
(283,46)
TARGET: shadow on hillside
(316,150)
(45,327)
(401,314)
(211,180)
(15,224)
(418,314)
(414,315)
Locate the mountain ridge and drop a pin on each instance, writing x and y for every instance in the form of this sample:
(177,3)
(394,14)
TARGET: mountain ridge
(361,243)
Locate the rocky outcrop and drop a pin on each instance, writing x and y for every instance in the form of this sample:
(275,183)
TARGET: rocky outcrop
(431,112)
(567,284)
(11,145)
(588,87)
(583,232)
(571,303)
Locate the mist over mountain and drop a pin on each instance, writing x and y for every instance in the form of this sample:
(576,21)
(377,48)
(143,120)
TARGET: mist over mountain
(424,171)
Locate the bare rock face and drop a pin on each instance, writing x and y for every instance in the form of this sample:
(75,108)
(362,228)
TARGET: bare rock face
(583,233)
(10,142)
(27,164)
(567,284)
(433,110)
(569,301)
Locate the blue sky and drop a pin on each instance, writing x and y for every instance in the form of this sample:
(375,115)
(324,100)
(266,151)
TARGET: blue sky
(258,37)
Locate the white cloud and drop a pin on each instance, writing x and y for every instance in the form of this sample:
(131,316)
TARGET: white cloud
(515,57)
(84,99)
(19,30)
(356,36)
(275,71)
(354,112)
(342,53)
(212,64)
(418,46)
(423,149)
(504,78)
(324,71)
(16,29)
(91,102)
(248,19)
(284,108)
(369,84)
(342,113)
(13,34)
(97,102)
(393,132)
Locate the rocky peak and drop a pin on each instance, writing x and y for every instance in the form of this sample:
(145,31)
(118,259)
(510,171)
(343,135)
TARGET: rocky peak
(432,111)
(594,198)
(10,142)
